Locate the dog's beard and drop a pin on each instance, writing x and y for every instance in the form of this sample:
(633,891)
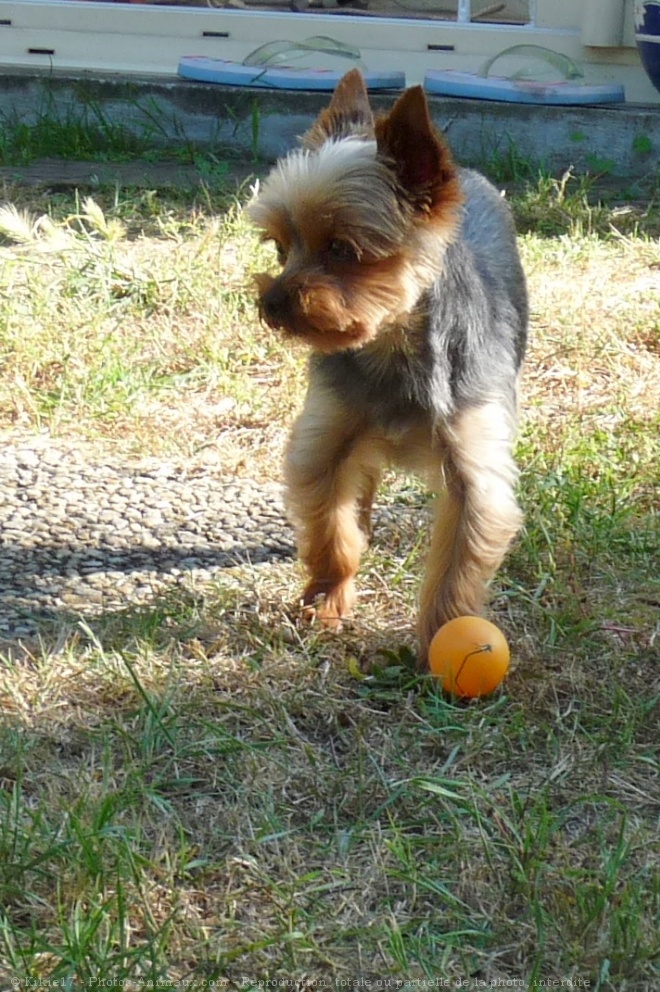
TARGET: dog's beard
(332,313)
(310,308)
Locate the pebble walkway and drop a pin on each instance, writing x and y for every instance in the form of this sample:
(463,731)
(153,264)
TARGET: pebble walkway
(81,537)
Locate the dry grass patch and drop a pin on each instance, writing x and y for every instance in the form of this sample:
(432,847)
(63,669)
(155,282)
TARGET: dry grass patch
(597,335)
(201,789)
(149,345)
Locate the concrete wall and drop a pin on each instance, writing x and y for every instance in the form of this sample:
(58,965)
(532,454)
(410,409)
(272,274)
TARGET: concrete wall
(621,139)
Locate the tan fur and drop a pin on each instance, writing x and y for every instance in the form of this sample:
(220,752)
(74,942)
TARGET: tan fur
(344,191)
(329,491)
(476,520)
(363,217)
(422,159)
(332,470)
(348,113)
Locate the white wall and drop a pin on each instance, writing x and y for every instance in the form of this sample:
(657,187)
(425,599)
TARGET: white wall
(144,39)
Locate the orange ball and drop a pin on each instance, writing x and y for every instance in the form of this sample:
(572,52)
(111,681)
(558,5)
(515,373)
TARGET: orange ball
(470,655)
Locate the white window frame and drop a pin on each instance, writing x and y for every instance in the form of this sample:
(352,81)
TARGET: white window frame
(142,39)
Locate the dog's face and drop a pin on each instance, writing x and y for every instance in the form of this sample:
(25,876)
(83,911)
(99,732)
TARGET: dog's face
(359,217)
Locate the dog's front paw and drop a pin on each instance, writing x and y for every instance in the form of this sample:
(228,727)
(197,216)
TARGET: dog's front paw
(328,605)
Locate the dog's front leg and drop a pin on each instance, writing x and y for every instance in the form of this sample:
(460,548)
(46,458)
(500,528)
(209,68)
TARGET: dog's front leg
(330,482)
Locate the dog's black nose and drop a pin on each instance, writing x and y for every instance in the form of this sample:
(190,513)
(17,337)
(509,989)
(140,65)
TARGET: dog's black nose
(275,305)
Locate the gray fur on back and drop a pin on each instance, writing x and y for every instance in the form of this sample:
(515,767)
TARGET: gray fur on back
(473,338)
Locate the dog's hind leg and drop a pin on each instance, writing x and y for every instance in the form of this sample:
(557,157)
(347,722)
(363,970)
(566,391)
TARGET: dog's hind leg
(477,517)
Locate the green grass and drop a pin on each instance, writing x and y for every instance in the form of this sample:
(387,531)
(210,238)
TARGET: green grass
(84,130)
(200,791)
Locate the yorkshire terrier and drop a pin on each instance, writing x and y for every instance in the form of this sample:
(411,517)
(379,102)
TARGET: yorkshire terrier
(401,272)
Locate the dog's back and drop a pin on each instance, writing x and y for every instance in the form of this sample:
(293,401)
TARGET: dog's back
(489,230)
(477,309)
(469,335)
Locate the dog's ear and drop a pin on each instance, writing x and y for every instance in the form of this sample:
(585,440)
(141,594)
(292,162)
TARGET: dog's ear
(348,113)
(421,160)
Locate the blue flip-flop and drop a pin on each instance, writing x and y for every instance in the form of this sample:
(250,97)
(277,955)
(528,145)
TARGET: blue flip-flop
(468,84)
(567,88)
(228,73)
(269,67)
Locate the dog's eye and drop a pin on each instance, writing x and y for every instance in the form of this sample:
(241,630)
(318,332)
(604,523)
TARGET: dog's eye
(281,252)
(279,248)
(343,251)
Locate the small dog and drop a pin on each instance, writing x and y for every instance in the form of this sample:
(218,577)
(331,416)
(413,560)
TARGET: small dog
(401,272)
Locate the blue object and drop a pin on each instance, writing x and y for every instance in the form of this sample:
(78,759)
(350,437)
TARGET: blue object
(565,92)
(647,36)
(208,70)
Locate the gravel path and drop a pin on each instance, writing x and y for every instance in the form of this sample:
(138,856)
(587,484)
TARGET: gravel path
(79,536)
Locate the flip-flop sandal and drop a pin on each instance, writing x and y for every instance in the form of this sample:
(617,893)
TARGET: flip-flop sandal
(269,67)
(569,90)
